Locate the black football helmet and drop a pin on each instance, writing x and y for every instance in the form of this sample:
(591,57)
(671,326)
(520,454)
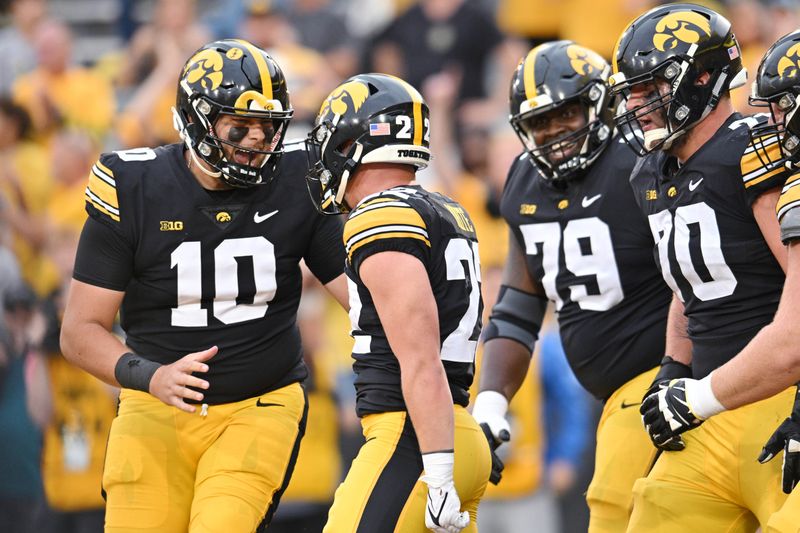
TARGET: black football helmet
(552,75)
(232,77)
(370,118)
(778,82)
(675,44)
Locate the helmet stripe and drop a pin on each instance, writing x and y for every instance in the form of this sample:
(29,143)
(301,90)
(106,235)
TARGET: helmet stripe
(417,99)
(529,72)
(263,69)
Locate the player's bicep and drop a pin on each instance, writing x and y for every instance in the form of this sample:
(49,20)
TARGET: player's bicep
(90,304)
(764,213)
(401,291)
(325,256)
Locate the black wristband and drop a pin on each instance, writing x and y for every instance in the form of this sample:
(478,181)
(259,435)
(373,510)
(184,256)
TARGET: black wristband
(135,372)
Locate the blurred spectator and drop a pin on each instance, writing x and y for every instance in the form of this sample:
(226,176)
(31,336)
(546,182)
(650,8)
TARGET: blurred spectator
(538,21)
(150,71)
(25,409)
(17,53)
(72,154)
(57,93)
(598,25)
(304,505)
(307,73)
(445,35)
(321,28)
(25,188)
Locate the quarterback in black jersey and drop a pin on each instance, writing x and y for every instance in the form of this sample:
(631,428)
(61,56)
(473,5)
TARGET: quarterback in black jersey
(771,361)
(415,308)
(577,240)
(198,246)
(709,203)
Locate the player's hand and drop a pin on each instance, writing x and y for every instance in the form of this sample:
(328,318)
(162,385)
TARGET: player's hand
(443,508)
(489,412)
(670,369)
(171,383)
(666,414)
(786,438)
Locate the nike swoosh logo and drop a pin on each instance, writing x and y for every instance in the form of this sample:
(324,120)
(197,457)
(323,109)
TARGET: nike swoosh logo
(586,202)
(693,185)
(259,403)
(258,219)
(626,405)
(435,517)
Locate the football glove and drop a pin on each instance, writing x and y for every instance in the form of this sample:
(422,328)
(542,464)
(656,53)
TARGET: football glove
(489,411)
(670,369)
(666,414)
(786,438)
(443,507)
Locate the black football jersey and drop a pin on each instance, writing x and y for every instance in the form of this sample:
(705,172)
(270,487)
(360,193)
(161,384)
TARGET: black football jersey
(708,245)
(439,232)
(787,209)
(590,248)
(201,268)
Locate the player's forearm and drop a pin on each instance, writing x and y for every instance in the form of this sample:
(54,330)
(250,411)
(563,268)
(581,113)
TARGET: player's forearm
(678,345)
(429,404)
(93,348)
(504,366)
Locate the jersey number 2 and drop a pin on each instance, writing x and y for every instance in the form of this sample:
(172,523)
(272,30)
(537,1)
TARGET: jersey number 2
(187,259)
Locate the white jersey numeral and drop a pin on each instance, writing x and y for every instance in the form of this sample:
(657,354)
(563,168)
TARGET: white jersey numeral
(463,263)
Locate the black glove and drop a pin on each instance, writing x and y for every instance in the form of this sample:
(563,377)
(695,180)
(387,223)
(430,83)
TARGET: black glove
(670,369)
(666,414)
(494,443)
(786,438)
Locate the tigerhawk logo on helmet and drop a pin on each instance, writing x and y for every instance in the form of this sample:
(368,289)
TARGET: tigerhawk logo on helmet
(788,64)
(232,77)
(685,26)
(344,135)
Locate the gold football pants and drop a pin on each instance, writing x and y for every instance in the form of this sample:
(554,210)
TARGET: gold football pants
(172,472)
(624,454)
(382,494)
(716,483)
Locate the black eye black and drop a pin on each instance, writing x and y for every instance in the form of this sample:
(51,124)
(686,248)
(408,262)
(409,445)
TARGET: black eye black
(237,133)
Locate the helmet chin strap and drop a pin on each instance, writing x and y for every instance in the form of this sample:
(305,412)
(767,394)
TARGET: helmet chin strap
(346,174)
(181,128)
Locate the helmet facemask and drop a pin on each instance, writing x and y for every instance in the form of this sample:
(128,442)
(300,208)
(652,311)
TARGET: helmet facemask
(327,185)
(778,141)
(569,155)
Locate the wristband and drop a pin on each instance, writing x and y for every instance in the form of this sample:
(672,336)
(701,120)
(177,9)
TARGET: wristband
(489,404)
(135,372)
(701,399)
(438,468)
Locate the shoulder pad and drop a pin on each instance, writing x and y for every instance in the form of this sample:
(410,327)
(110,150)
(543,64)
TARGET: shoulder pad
(383,217)
(101,191)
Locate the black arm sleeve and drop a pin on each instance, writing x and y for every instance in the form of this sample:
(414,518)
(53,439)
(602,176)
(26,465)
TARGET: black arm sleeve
(104,258)
(325,255)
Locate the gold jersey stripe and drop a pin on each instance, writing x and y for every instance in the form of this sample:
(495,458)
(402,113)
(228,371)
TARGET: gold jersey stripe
(263,69)
(382,216)
(100,207)
(104,168)
(751,161)
(387,235)
(103,190)
(789,196)
(360,209)
(749,182)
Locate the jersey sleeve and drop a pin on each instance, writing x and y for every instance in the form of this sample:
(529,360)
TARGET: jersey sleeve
(325,256)
(102,200)
(385,224)
(103,259)
(762,167)
(788,209)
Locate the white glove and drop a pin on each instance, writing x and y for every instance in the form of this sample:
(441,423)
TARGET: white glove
(490,409)
(443,509)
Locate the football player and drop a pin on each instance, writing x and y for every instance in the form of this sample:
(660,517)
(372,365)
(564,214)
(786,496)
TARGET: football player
(709,205)
(578,240)
(198,246)
(744,380)
(415,306)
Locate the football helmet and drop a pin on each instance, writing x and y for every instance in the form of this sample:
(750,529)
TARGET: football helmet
(778,82)
(232,77)
(370,118)
(556,74)
(672,46)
